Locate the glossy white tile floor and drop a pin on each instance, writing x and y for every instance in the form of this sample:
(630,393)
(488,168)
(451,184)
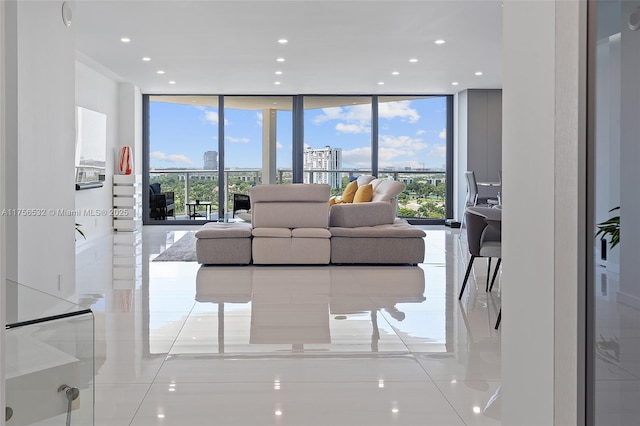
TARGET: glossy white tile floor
(331,345)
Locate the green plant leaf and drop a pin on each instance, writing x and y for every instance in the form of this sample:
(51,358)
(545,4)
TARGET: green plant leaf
(611,228)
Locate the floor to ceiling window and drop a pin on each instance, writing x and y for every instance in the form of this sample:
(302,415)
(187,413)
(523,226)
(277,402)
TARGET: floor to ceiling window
(257,132)
(413,149)
(613,375)
(182,139)
(337,139)
(200,151)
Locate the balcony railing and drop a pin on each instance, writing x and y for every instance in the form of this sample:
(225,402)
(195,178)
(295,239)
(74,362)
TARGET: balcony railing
(424,196)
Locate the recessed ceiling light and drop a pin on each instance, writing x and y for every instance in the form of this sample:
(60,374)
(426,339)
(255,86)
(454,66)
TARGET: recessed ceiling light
(277,82)
(146,59)
(160,72)
(125,39)
(278,72)
(440,41)
(172,82)
(455,83)
(395,73)
(413,60)
(478,72)
(280,59)
(381,83)
(283,41)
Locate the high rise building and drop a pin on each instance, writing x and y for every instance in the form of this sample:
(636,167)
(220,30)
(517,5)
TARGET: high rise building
(325,159)
(211,160)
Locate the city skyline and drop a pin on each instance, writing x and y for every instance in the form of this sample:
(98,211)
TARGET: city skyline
(412,135)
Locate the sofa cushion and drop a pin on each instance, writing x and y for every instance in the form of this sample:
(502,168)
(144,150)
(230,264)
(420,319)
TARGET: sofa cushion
(295,192)
(310,233)
(224,230)
(349,192)
(272,232)
(398,229)
(386,189)
(290,206)
(290,215)
(363,194)
(361,214)
(364,179)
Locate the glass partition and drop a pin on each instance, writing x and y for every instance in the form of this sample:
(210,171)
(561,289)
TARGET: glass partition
(613,323)
(49,359)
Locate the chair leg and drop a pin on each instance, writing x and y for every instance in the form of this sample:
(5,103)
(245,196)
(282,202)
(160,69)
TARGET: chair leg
(499,319)
(486,288)
(495,274)
(466,276)
(461,225)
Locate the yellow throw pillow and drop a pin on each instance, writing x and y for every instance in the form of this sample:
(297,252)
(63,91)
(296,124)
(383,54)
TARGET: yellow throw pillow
(363,194)
(349,192)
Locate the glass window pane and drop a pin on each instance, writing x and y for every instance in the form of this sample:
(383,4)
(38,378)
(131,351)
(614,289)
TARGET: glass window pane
(183,156)
(257,133)
(613,379)
(337,137)
(412,148)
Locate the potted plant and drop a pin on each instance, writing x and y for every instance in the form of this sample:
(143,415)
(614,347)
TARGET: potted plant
(610,228)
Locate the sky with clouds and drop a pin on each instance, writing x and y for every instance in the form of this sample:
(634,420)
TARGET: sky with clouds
(412,133)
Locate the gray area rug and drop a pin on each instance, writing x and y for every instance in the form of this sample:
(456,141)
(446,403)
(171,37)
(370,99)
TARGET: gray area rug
(183,250)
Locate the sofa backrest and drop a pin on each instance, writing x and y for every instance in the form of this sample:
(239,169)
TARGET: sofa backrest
(294,205)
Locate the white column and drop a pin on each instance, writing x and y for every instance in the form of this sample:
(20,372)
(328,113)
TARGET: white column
(269,145)
(543,215)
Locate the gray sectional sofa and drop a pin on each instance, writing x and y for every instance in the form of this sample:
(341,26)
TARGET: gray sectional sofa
(294,224)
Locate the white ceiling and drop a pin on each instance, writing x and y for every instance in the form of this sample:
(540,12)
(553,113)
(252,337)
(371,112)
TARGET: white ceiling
(335,47)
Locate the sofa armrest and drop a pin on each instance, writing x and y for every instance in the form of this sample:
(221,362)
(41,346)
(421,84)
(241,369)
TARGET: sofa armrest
(361,214)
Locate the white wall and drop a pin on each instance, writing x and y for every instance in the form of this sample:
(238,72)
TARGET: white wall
(130,123)
(528,174)
(479,142)
(543,240)
(40,158)
(98,93)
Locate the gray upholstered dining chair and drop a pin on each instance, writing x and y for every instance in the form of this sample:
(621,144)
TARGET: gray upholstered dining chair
(483,241)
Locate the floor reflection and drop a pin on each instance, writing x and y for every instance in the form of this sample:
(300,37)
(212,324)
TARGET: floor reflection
(302,307)
(386,337)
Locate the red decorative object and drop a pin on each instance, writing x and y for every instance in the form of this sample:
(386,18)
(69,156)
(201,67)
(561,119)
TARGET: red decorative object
(125,161)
